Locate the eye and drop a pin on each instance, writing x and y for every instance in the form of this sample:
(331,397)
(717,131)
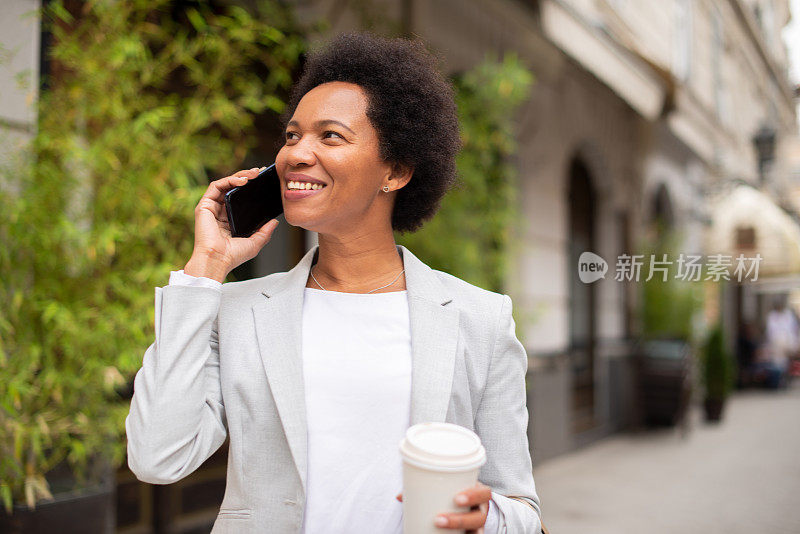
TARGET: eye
(287,134)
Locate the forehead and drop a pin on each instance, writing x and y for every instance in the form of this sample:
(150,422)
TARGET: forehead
(333,100)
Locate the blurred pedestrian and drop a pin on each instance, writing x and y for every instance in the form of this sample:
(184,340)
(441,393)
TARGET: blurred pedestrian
(782,339)
(749,339)
(794,358)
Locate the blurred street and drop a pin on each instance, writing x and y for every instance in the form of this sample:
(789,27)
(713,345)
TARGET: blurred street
(742,476)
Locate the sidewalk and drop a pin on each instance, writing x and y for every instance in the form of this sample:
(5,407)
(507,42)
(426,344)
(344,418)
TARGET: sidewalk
(742,476)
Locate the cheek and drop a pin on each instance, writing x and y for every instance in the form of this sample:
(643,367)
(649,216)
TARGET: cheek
(357,186)
(358,172)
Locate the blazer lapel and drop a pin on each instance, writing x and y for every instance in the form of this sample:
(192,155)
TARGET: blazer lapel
(434,338)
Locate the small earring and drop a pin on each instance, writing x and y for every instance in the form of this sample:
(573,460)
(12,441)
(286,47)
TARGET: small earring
(385,188)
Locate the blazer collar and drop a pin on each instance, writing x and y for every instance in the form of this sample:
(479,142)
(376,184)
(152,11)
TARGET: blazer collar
(434,338)
(421,281)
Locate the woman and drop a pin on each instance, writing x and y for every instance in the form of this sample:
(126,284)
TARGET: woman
(318,372)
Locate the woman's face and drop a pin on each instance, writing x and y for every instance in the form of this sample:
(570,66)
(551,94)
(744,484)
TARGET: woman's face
(342,154)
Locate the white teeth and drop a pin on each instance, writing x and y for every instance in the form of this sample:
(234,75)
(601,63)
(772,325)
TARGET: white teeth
(303,185)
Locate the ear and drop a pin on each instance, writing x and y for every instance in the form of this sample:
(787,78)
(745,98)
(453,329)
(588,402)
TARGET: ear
(401,175)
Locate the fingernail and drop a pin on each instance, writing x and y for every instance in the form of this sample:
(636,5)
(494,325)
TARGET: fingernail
(440,521)
(461,499)
(261,169)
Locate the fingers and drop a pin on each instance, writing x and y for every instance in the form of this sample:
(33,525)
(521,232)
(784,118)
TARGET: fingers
(216,190)
(484,508)
(472,520)
(213,199)
(263,235)
(477,494)
(217,209)
(476,499)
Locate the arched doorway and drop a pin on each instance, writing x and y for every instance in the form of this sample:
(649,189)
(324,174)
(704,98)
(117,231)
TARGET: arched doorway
(662,218)
(582,297)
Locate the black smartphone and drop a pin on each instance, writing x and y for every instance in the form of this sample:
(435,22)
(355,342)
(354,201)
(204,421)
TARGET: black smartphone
(252,205)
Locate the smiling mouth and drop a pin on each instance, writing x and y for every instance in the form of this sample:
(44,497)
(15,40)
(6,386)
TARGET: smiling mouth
(300,186)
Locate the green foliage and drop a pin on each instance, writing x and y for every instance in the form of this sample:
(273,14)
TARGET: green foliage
(667,307)
(717,365)
(99,208)
(472,234)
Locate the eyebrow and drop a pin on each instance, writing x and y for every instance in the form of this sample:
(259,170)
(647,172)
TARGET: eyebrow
(322,123)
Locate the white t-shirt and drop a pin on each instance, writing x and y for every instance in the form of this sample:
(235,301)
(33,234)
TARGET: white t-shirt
(357,375)
(356,350)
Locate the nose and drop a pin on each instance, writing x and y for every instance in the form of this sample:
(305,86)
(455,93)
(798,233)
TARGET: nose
(300,153)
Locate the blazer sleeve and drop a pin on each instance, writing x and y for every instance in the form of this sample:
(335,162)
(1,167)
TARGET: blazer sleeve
(502,424)
(177,417)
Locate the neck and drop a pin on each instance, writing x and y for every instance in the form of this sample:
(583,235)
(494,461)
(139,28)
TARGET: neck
(358,265)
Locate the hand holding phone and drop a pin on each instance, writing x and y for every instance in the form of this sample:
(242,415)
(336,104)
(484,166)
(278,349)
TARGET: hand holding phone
(216,251)
(250,206)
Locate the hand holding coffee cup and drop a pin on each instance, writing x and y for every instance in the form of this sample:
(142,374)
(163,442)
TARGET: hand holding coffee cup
(441,461)
(476,500)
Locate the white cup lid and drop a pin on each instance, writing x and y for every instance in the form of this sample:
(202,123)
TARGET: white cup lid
(442,447)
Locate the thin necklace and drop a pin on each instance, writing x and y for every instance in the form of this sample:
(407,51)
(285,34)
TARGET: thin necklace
(387,285)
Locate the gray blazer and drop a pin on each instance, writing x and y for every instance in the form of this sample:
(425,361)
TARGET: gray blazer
(230,362)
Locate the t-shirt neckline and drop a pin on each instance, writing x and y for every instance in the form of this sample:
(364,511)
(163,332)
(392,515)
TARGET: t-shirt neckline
(402,291)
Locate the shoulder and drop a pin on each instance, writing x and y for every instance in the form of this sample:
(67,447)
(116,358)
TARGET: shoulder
(251,289)
(473,300)
(485,316)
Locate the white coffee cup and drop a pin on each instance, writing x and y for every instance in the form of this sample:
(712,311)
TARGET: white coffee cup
(439,461)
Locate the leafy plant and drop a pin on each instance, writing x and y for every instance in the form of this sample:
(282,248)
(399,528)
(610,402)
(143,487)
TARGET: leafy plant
(667,309)
(146,96)
(473,233)
(668,306)
(718,367)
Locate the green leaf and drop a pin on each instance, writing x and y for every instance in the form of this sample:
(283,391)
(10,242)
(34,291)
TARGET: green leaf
(197,20)
(58,10)
(5,493)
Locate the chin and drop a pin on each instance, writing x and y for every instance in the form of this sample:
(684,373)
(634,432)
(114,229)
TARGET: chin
(301,220)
